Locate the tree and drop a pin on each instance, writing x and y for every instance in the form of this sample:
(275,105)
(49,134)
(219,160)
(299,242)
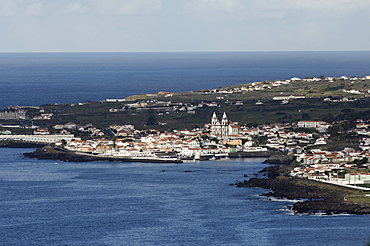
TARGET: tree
(151,120)
(361,162)
(260,140)
(306,116)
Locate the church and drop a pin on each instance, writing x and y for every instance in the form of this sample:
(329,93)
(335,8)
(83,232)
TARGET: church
(223,128)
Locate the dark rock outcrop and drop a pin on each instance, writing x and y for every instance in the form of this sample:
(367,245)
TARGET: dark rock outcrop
(252,154)
(20,144)
(331,207)
(49,153)
(273,171)
(320,197)
(280,158)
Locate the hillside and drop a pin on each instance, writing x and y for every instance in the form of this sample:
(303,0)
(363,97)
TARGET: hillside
(327,99)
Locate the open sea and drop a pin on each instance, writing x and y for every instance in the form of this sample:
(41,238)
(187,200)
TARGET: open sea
(43,78)
(103,203)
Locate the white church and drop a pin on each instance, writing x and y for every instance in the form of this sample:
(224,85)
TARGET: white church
(223,128)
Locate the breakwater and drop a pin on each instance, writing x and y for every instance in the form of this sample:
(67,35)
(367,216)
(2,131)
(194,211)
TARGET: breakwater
(49,153)
(20,144)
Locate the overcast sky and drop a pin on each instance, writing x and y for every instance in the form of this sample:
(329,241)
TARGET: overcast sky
(183,25)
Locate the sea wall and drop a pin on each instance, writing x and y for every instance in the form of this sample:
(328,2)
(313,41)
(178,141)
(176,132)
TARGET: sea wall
(20,144)
(49,153)
(47,139)
(252,154)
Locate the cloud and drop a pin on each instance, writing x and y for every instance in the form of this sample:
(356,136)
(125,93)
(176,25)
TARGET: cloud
(127,7)
(227,6)
(11,8)
(183,25)
(105,7)
(8,8)
(75,8)
(36,9)
(329,7)
(22,7)
(276,9)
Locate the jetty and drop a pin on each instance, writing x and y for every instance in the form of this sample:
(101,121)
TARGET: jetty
(50,153)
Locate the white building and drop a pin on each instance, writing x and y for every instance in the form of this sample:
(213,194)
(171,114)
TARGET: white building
(357,178)
(39,138)
(287,97)
(224,127)
(311,124)
(13,115)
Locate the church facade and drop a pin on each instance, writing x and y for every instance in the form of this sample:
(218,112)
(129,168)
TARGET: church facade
(224,127)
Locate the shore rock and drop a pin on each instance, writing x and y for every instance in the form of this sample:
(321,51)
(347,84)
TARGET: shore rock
(331,207)
(280,158)
(321,197)
(49,153)
(252,154)
(20,144)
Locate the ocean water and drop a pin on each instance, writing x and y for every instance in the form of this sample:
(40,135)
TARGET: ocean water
(57,203)
(42,78)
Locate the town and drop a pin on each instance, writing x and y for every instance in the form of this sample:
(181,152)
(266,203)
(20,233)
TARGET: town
(312,143)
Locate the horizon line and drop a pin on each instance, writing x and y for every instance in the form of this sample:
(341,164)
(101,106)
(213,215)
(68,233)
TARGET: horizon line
(210,51)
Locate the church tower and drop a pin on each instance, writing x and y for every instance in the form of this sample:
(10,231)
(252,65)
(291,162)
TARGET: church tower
(220,128)
(214,119)
(224,120)
(224,126)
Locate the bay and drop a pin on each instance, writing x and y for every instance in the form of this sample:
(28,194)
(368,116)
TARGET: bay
(56,203)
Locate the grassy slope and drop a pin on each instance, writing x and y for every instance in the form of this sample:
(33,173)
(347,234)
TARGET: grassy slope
(271,111)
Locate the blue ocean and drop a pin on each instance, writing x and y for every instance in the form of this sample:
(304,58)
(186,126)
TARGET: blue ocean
(43,78)
(55,203)
(46,202)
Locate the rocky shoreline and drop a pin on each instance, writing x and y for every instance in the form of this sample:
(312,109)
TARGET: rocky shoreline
(279,158)
(20,144)
(316,197)
(49,153)
(252,154)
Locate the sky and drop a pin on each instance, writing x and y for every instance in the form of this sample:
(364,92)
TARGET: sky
(183,25)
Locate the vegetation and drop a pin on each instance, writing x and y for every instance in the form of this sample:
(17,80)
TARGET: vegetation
(348,107)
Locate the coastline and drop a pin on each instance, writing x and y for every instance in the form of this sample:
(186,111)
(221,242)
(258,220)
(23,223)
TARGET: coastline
(315,197)
(20,144)
(49,153)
